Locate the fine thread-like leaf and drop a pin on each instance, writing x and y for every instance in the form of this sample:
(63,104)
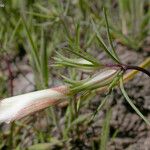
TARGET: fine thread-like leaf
(77,38)
(109,38)
(123,38)
(62,61)
(44,59)
(79,120)
(73,82)
(105,130)
(83,56)
(73,47)
(110,88)
(33,50)
(15,30)
(79,66)
(40,15)
(131,103)
(102,44)
(99,107)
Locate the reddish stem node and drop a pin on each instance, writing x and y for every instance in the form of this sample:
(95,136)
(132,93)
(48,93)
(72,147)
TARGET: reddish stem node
(125,67)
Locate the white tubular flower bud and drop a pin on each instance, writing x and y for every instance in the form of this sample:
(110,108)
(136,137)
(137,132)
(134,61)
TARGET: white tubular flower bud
(101,77)
(17,107)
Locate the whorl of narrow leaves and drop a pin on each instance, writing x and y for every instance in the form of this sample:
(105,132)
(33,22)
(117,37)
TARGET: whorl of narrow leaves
(99,80)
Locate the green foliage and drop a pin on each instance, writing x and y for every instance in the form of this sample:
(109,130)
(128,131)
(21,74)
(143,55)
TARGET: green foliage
(134,22)
(65,35)
(131,103)
(3,87)
(46,146)
(105,131)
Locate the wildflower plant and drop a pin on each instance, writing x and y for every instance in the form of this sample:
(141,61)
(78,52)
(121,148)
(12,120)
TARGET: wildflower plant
(107,77)
(111,76)
(61,40)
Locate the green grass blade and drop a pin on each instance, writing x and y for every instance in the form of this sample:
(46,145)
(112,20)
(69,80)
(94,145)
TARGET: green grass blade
(14,31)
(77,38)
(44,59)
(99,107)
(34,51)
(79,120)
(105,131)
(40,15)
(126,40)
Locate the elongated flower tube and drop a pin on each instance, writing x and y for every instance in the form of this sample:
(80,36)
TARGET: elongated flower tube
(17,107)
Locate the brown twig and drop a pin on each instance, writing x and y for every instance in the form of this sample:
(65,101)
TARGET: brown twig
(125,67)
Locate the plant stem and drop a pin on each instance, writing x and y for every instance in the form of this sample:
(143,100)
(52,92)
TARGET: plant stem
(125,67)
(130,75)
(138,68)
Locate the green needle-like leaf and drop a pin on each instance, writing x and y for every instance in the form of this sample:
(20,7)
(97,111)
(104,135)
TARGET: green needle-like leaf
(105,131)
(84,55)
(34,51)
(15,30)
(44,59)
(102,44)
(99,107)
(131,103)
(109,38)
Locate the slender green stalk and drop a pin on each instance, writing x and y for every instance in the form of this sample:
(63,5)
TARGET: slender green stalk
(131,103)
(105,131)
